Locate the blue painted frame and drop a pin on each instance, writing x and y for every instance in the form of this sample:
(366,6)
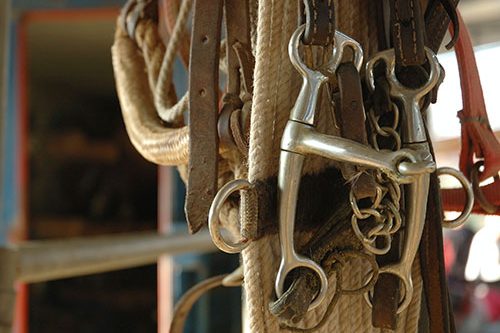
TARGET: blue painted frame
(10,192)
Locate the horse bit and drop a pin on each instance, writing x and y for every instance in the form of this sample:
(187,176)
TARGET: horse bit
(410,165)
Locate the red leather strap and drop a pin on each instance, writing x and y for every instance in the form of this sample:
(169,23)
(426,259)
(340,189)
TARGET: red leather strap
(478,139)
(454,199)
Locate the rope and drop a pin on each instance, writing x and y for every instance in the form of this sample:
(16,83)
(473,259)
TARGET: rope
(275,81)
(171,13)
(162,96)
(413,312)
(156,143)
(276,20)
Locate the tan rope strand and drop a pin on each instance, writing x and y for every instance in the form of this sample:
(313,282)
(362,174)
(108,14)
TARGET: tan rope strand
(151,48)
(154,142)
(258,262)
(355,300)
(413,312)
(171,13)
(162,99)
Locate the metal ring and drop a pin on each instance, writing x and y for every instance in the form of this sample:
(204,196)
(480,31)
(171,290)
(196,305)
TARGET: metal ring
(485,204)
(213,216)
(396,216)
(385,131)
(469,202)
(405,299)
(367,242)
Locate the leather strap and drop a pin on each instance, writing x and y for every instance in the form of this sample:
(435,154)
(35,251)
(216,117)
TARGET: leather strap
(386,291)
(334,235)
(408,32)
(454,199)
(437,19)
(351,120)
(439,314)
(478,139)
(186,302)
(240,64)
(320,22)
(203,115)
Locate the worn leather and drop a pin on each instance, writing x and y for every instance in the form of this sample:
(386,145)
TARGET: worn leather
(437,20)
(320,22)
(203,115)
(408,32)
(437,311)
(351,120)
(240,64)
(334,235)
(206,127)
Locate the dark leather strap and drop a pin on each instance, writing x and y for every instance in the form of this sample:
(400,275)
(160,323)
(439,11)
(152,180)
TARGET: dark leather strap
(320,22)
(440,316)
(351,120)
(351,115)
(203,111)
(436,315)
(386,291)
(408,32)
(238,33)
(436,21)
(188,300)
(240,64)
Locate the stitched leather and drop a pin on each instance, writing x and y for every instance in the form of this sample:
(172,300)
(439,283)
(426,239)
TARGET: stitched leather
(408,32)
(320,22)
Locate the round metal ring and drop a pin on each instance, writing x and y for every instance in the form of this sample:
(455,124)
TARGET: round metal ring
(213,216)
(485,204)
(469,202)
(405,298)
(368,242)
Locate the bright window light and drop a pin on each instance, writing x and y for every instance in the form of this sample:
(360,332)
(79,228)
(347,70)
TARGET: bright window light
(444,123)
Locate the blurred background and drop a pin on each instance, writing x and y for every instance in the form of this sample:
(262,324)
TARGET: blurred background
(66,166)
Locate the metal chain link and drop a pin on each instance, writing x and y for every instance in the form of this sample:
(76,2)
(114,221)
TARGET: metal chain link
(382,218)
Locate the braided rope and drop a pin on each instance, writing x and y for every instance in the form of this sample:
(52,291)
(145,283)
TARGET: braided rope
(156,143)
(274,28)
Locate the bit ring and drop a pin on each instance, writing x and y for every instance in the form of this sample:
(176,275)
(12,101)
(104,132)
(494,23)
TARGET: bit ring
(213,216)
(469,202)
